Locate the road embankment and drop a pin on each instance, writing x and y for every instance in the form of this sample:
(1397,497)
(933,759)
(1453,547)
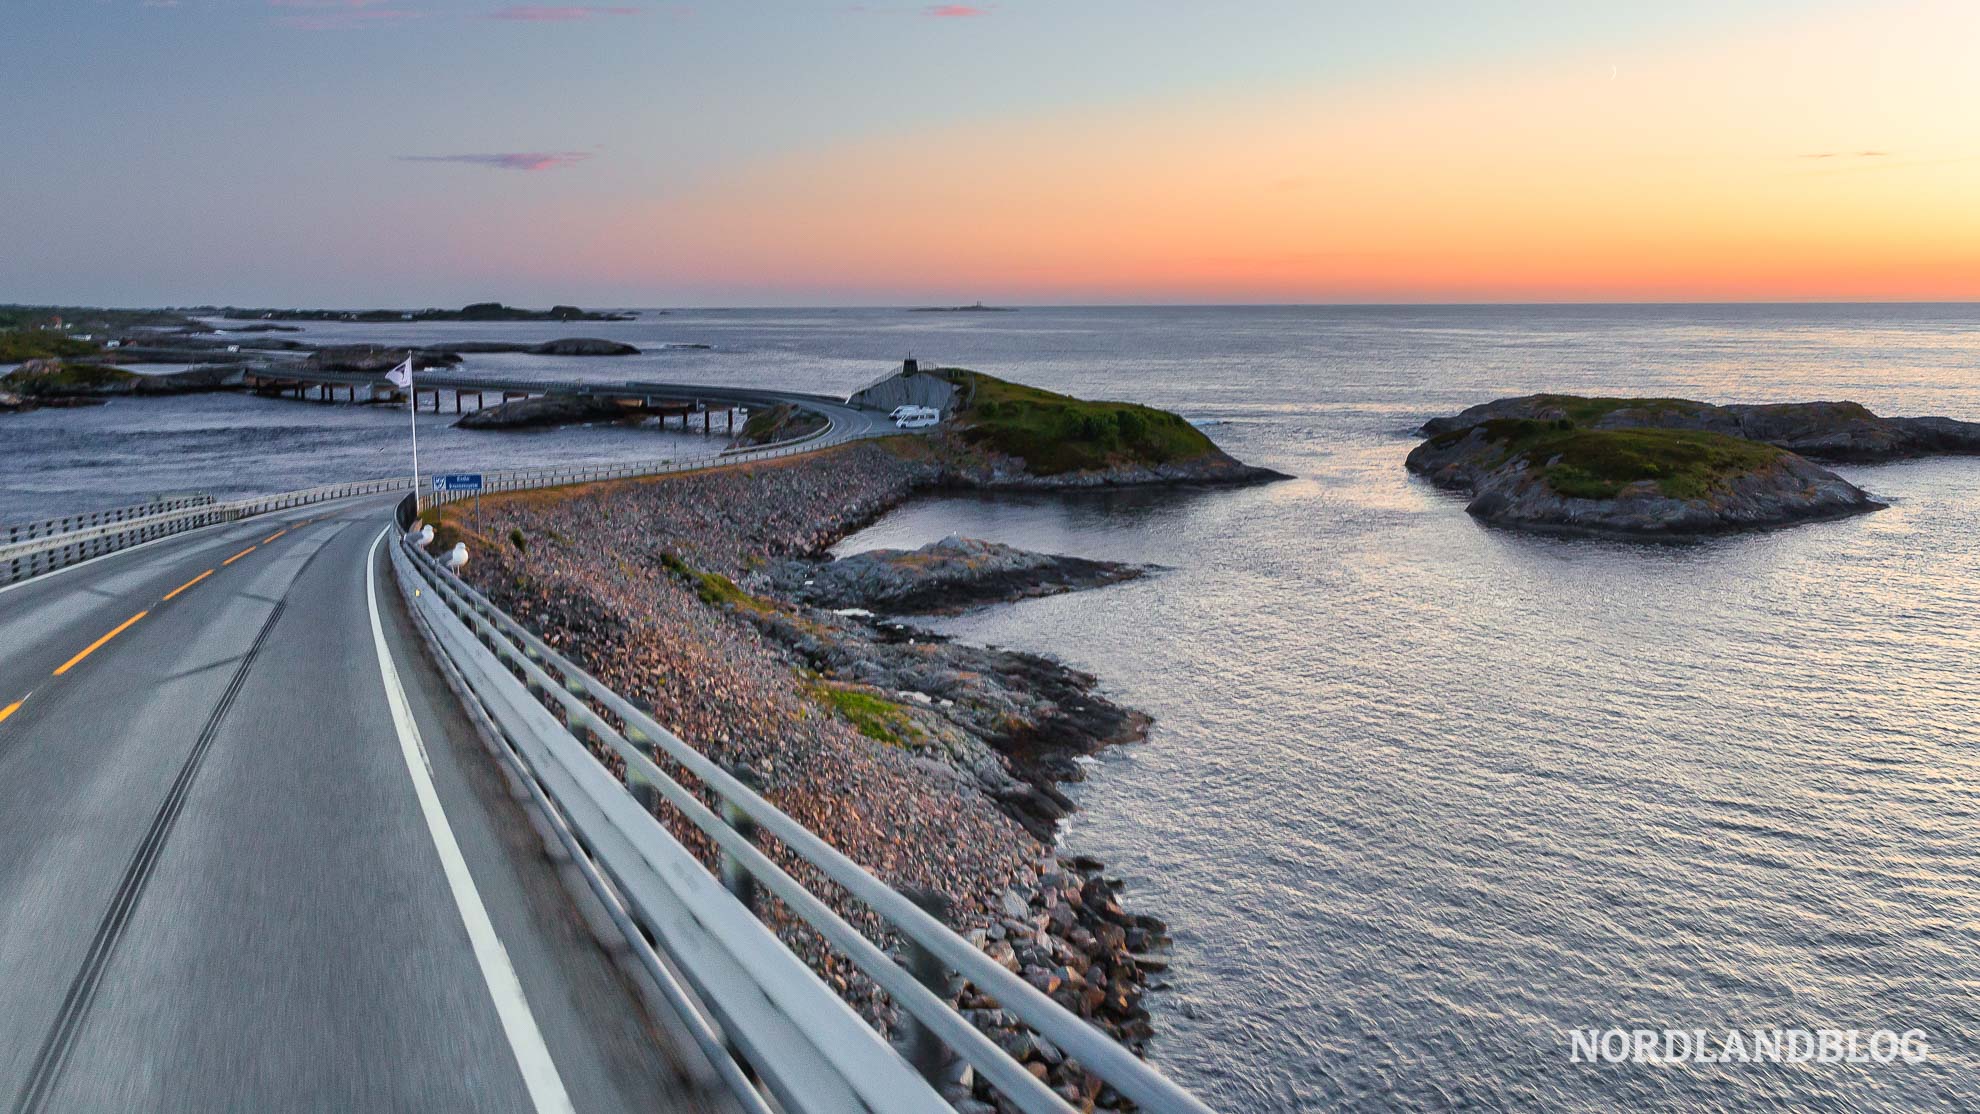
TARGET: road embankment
(933,764)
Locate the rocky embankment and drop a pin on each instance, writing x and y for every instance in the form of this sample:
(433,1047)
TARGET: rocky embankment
(933,764)
(942,577)
(1844,432)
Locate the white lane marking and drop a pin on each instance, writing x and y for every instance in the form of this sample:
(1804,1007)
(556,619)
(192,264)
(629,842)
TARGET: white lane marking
(539,1071)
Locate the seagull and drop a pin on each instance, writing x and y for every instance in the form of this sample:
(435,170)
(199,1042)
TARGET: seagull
(457,557)
(423,537)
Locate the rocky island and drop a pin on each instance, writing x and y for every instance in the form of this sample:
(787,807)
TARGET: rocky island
(942,577)
(1650,467)
(1002,435)
(479,311)
(934,764)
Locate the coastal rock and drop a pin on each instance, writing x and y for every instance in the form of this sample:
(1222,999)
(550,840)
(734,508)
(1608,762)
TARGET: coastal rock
(46,381)
(1833,431)
(543,411)
(375,359)
(1552,475)
(945,576)
(980,469)
(584,346)
(782,422)
(569,346)
(479,311)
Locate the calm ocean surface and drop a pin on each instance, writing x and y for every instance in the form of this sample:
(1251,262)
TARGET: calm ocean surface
(1422,797)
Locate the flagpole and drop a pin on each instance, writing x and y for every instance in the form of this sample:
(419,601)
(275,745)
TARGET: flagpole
(412,397)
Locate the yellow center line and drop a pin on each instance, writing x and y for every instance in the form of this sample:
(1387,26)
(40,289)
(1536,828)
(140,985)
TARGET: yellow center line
(187,584)
(274,535)
(11,709)
(98,644)
(241,554)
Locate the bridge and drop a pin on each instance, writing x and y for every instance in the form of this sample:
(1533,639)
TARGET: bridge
(296,820)
(665,400)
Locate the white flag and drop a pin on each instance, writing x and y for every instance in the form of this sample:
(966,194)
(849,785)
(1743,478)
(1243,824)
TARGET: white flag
(401,376)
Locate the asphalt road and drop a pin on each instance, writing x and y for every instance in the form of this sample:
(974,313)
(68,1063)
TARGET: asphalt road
(225,874)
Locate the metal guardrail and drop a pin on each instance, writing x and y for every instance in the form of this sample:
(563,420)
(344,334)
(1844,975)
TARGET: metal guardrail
(523,479)
(49,527)
(43,555)
(33,553)
(766,1004)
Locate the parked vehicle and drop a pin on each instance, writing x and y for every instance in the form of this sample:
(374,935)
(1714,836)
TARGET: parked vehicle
(915,417)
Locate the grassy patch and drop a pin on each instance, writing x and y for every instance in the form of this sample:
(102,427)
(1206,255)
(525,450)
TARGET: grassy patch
(1587,411)
(781,422)
(21,345)
(714,589)
(875,717)
(1054,433)
(1599,463)
(67,379)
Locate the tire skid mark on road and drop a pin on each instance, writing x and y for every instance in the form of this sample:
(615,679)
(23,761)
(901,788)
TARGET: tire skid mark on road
(62,1036)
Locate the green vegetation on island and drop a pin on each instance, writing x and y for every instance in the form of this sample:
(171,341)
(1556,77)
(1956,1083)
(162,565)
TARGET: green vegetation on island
(21,345)
(1656,466)
(1054,433)
(1583,463)
(56,320)
(61,379)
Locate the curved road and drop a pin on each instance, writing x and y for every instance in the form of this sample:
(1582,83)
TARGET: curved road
(242,872)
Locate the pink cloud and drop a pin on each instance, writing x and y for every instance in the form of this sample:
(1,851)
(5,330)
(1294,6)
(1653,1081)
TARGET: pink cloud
(338,15)
(523,13)
(515,160)
(954,11)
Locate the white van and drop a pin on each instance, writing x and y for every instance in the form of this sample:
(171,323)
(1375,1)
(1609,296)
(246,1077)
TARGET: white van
(915,417)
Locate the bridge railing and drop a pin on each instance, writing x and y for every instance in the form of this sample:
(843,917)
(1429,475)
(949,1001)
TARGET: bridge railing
(30,558)
(751,996)
(49,527)
(42,547)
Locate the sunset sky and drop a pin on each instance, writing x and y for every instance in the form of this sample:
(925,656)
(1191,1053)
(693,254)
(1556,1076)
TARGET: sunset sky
(389,152)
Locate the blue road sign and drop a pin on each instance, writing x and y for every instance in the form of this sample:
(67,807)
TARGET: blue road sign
(458,481)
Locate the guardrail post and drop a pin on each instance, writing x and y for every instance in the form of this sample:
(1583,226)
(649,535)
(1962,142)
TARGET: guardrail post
(735,876)
(924,1049)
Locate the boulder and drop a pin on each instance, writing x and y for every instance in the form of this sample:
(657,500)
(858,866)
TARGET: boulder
(548,410)
(375,359)
(584,346)
(947,575)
